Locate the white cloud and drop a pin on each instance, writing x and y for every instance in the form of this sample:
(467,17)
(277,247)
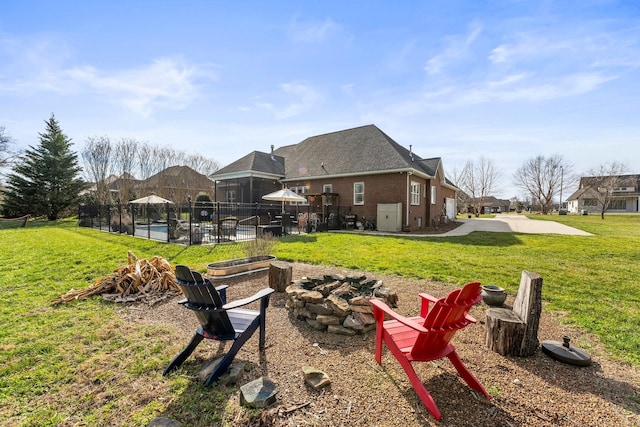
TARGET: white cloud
(312,32)
(297,98)
(456,50)
(30,65)
(164,84)
(41,64)
(529,90)
(517,88)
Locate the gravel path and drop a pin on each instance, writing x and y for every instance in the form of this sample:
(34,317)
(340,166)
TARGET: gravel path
(534,391)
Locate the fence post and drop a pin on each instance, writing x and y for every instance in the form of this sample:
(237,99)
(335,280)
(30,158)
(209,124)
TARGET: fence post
(190,212)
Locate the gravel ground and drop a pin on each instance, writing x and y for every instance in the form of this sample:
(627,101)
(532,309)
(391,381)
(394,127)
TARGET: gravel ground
(534,391)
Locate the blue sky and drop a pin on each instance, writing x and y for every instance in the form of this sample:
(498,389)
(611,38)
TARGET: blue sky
(509,80)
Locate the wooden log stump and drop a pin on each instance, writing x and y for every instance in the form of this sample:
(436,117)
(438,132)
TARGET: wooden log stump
(515,332)
(280,275)
(505,331)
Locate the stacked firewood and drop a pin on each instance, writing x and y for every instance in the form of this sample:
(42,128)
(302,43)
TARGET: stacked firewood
(150,281)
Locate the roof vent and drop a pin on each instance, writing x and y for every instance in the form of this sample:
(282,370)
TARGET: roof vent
(272,156)
(411,151)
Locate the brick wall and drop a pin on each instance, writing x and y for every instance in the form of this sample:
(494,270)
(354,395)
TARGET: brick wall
(386,188)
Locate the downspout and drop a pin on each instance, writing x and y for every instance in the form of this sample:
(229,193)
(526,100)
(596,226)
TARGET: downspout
(408,199)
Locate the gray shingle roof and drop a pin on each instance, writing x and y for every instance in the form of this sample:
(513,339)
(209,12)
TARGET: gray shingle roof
(256,161)
(180,176)
(360,150)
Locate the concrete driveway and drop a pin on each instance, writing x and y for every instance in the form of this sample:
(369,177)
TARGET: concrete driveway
(510,223)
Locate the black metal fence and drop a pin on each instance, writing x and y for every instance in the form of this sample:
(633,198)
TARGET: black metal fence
(207,222)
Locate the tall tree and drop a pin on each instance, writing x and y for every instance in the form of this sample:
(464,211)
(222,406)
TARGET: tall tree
(98,165)
(6,153)
(541,177)
(604,180)
(126,160)
(478,180)
(46,179)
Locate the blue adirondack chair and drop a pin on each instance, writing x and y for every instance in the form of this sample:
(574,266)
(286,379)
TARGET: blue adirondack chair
(219,320)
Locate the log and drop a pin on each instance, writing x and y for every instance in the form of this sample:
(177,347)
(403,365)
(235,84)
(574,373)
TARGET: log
(280,275)
(505,331)
(528,306)
(515,332)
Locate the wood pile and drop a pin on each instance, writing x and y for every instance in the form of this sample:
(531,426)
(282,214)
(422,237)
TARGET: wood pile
(140,280)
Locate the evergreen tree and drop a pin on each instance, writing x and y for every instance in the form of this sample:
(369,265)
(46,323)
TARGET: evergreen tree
(45,180)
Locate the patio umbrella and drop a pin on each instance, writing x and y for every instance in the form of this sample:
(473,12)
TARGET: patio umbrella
(150,200)
(284,195)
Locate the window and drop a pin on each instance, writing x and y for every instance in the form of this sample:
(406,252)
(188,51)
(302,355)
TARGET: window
(415,193)
(231,196)
(618,205)
(328,188)
(358,193)
(433,195)
(301,190)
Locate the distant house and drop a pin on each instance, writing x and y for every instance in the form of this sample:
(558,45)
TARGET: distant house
(625,196)
(360,171)
(113,188)
(490,204)
(176,183)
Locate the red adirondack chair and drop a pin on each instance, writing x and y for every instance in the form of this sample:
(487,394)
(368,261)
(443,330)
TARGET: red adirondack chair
(427,337)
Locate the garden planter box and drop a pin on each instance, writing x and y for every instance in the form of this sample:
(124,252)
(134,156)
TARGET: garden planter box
(232,267)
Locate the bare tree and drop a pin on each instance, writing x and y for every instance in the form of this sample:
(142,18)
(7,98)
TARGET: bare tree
(98,165)
(6,154)
(603,181)
(541,178)
(146,161)
(455,176)
(478,180)
(201,164)
(129,157)
(126,159)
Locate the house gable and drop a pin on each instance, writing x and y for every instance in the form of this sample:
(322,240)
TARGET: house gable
(177,183)
(255,164)
(360,151)
(625,197)
(361,168)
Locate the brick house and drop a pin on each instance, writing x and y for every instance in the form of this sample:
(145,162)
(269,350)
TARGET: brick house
(176,183)
(362,171)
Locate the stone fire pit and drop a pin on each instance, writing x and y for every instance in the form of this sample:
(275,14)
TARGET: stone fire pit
(338,304)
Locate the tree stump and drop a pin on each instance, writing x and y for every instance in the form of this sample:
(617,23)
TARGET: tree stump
(280,275)
(515,332)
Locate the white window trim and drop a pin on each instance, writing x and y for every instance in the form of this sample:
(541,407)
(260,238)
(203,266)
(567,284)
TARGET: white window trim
(433,195)
(355,194)
(415,193)
(301,190)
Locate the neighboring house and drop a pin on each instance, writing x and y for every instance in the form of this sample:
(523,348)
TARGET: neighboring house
(113,188)
(123,187)
(490,204)
(176,183)
(625,196)
(361,171)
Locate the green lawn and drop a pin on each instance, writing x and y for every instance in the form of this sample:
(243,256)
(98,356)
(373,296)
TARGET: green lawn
(76,363)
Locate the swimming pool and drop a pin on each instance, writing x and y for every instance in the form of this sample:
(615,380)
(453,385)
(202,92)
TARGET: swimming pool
(153,231)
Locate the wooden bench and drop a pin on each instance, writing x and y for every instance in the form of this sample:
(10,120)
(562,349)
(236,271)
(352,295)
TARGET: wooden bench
(514,332)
